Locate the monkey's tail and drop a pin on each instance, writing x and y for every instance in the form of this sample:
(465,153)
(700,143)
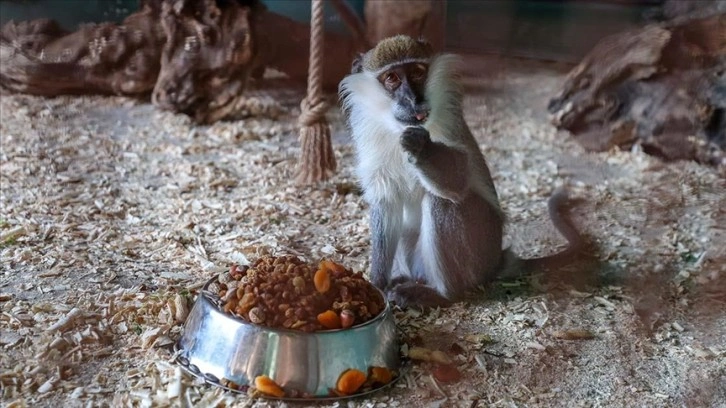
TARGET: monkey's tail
(558,206)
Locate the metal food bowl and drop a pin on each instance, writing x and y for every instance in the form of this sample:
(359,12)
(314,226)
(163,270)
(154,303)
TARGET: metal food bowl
(223,349)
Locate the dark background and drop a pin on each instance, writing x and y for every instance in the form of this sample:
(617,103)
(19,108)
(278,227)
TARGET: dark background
(545,29)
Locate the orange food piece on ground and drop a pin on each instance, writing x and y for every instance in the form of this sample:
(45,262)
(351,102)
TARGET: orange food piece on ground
(329,319)
(267,386)
(350,381)
(380,375)
(322,280)
(446,373)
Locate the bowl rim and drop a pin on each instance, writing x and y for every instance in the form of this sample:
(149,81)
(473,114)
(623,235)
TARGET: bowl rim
(209,296)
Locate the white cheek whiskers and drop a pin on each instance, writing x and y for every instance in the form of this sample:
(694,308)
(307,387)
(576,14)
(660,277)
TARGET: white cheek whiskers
(382,167)
(370,108)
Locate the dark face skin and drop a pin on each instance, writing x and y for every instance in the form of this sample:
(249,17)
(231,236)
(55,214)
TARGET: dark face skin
(406,84)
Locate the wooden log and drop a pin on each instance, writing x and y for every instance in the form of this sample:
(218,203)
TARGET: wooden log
(193,56)
(37,57)
(659,86)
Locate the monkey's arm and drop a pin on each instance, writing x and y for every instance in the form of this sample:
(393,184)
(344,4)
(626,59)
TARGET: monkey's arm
(385,232)
(443,169)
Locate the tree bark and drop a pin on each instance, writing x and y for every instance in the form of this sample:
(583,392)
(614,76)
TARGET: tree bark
(660,86)
(193,56)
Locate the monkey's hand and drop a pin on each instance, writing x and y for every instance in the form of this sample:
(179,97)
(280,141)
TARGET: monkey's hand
(415,141)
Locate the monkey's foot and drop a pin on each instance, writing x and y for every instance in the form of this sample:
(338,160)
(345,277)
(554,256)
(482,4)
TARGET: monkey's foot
(380,282)
(412,294)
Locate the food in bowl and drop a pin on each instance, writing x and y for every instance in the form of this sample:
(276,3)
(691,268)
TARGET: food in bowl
(285,292)
(339,340)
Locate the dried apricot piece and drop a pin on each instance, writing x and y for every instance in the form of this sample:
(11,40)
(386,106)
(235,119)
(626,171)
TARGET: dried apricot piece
(329,319)
(322,280)
(267,386)
(337,269)
(350,381)
(380,375)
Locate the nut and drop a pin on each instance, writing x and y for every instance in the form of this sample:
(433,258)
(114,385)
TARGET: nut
(438,356)
(180,308)
(347,318)
(419,353)
(257,316)
(298,282)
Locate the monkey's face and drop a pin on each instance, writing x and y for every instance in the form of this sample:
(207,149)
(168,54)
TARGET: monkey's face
(405,85)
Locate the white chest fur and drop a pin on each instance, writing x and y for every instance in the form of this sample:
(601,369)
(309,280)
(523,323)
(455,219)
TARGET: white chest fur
(384,170)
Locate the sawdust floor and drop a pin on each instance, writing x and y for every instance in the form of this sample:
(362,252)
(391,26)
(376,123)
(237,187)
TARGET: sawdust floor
(111,208)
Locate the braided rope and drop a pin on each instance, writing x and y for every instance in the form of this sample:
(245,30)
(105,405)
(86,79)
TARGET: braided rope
(317,158)
(312,113)
(317,39)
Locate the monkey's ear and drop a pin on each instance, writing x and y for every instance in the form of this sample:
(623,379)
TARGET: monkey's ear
(357,64)
(424,43)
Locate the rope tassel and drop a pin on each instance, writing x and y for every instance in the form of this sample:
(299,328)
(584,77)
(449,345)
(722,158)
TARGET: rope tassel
(317,161)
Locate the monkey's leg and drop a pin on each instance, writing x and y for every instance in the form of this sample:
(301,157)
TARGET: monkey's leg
(443,170)
(385,226)
(410,231)
(431,284)
(401,270)
(459,247)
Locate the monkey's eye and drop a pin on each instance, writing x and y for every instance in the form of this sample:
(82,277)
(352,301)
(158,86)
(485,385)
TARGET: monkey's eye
(391,80)
(418,72)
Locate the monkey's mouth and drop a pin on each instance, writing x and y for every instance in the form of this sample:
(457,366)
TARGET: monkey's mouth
(416,119)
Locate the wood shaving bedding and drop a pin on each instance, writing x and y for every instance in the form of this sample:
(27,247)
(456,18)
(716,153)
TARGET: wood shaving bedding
(114,214)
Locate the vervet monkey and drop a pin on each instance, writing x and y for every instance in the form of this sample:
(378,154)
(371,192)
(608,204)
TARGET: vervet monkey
(435,219)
